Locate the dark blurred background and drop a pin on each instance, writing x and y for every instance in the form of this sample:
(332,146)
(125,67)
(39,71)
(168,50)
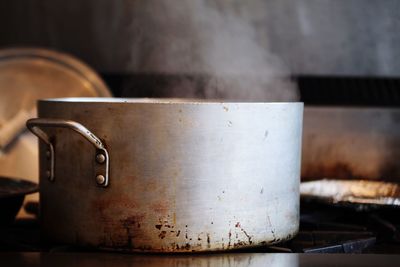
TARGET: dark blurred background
(340,52)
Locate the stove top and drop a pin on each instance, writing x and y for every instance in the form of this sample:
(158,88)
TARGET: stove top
(325,229)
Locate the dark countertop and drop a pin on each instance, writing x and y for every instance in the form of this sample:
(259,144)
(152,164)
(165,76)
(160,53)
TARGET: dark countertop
(35,259)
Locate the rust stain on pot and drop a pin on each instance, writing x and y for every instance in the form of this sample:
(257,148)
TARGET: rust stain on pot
(226,108)
(162,234)
(273,234)
(237,225)
(161,207)
(230,238)
(117,231)
(186,247)
(122,234)
(191,247)
(132,221)
(247,235)
(126,224)
(239,244)
(103,206)
(152,185)
(270,225)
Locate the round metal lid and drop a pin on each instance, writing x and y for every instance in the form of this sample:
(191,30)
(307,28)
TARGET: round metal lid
(29,74)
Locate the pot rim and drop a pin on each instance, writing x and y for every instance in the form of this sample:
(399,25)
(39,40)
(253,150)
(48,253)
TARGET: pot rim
(181,101)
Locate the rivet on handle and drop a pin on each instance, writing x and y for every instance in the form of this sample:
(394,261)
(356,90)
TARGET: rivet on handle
(100,158)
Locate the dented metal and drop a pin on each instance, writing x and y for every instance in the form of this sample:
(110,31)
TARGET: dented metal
(184,176)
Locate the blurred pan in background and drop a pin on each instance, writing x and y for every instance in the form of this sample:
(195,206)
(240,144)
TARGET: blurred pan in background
(12,195)
(26,75)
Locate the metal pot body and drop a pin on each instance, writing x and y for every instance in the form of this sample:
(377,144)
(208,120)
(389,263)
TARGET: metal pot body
(168,176)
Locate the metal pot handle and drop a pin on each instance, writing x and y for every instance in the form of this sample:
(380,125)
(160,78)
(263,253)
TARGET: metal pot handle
(102,158)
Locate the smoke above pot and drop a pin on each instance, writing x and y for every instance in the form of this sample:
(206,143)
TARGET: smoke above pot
(204,49)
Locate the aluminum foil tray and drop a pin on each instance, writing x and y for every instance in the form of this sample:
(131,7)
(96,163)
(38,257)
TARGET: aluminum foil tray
(359,194)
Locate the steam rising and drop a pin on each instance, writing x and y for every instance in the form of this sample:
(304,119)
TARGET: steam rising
(207,39)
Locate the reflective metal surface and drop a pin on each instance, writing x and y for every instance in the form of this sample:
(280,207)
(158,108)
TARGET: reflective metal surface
(184,176)
(200,260)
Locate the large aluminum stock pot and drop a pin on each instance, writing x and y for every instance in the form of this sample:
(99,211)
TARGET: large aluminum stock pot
(168,175)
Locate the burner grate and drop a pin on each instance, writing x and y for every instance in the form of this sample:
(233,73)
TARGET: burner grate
(326,229)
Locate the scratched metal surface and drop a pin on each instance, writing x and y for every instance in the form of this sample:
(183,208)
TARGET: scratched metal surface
(183,176)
